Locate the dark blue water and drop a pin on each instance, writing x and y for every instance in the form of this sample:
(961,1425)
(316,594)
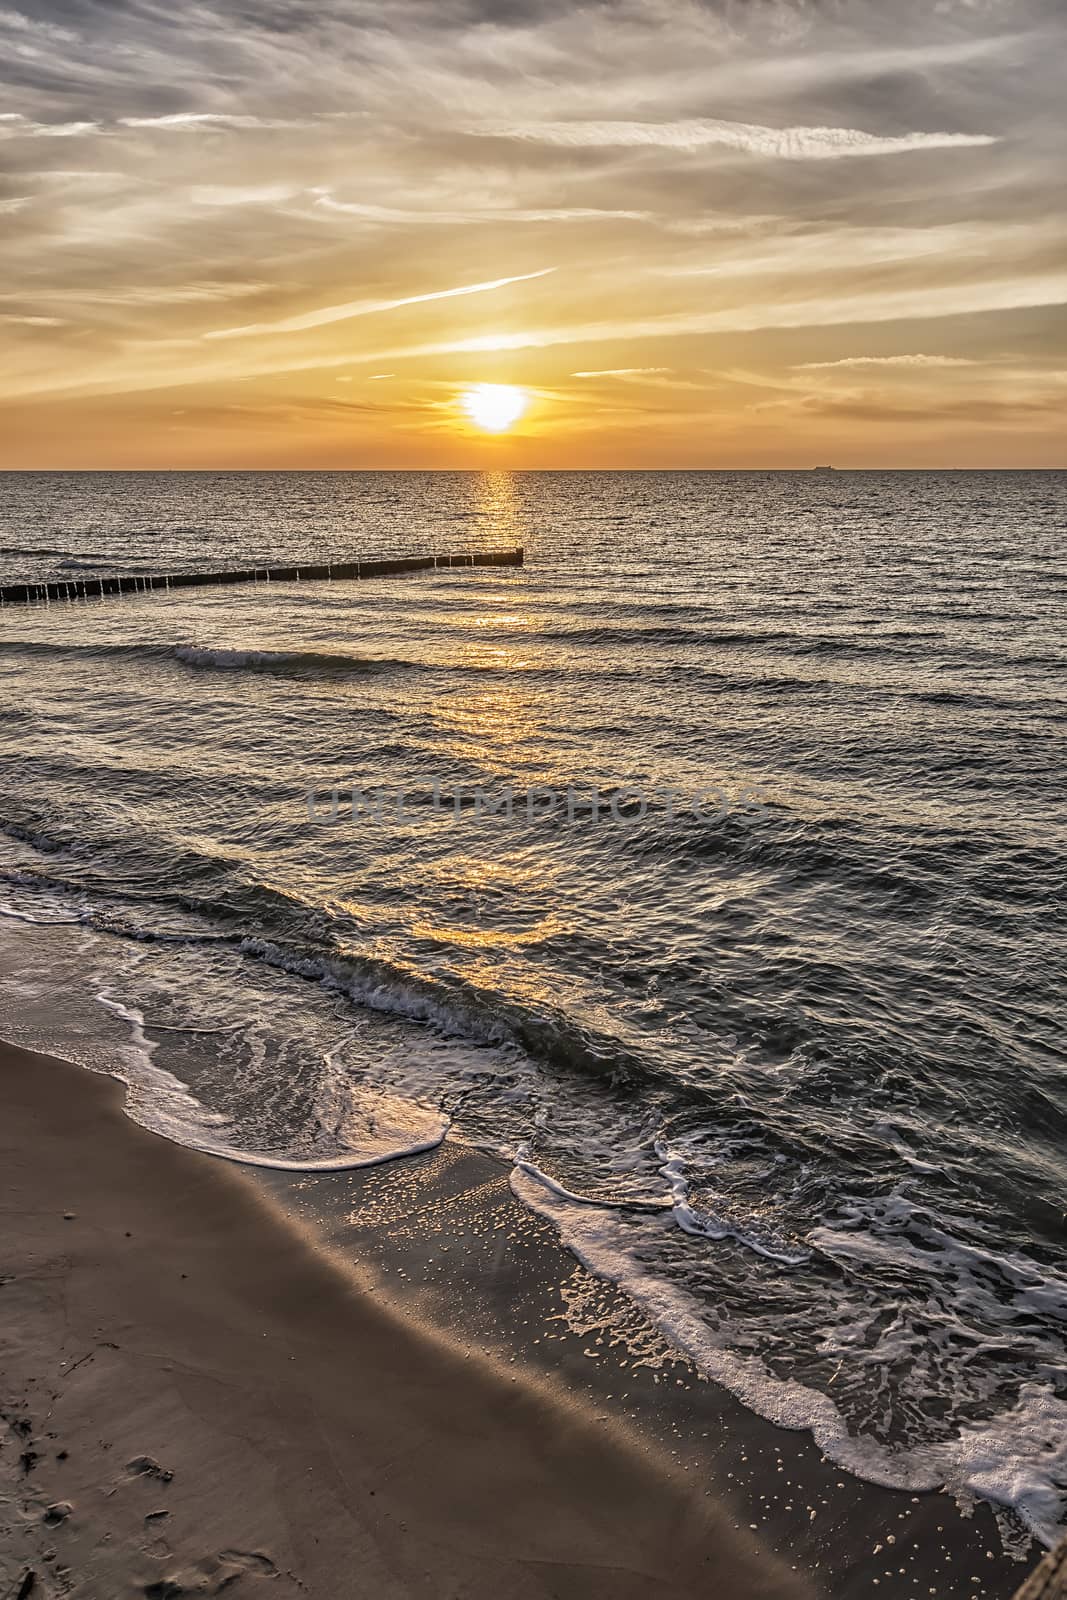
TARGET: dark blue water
(757,986)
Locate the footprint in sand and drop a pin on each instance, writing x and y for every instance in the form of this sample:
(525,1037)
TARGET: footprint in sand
(213,1575)
(145,1467)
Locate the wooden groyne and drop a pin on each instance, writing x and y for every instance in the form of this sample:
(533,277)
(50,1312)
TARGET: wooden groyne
(84,588)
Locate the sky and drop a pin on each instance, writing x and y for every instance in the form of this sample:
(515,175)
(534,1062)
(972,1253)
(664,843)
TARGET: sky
(694,233)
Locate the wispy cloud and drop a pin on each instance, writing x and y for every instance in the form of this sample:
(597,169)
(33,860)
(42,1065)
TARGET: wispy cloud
(417,216)
(235,194)
(134,295)
(30,322)
(900,305)
(13,125)
(785,144)
(366,308)
(886,361)
(621,372)
(205,121)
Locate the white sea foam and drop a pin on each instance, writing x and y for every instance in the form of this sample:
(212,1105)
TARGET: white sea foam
(1001,1284)
(1017,1459)
(374,1126)
(711,1227)
(523,1165)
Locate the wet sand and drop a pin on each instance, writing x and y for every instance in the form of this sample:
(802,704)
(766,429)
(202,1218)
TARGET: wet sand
(198,1398)
(444,1239)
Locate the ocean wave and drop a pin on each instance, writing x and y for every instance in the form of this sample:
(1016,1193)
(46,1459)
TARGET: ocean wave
(104,649)
(1009,1458)
(211,658)
(460,1009)
(282,662)
(370,1128)
(303,663)
(688,635)
(40,550)
(301,938)
(237,659)
(1016,1459)
(20,914)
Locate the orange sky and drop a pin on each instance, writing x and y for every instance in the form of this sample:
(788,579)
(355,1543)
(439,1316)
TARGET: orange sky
(696,234)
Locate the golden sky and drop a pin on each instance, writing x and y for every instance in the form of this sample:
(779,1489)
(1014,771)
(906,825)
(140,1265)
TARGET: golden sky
(695,233)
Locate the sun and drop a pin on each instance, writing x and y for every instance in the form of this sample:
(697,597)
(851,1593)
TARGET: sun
(494,406)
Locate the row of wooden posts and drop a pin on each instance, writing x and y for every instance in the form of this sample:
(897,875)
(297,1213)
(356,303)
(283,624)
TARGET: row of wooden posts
(59,590)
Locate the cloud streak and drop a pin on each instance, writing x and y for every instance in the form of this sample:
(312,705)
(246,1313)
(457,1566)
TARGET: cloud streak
(620,372)
(783,144)
(920,361)
(207,121)
(390,216)
(13,125)
(366,308)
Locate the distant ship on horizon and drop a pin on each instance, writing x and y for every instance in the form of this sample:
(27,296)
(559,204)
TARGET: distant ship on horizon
(824,469)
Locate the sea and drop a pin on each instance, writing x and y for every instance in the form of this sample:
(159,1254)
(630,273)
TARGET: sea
(707,870)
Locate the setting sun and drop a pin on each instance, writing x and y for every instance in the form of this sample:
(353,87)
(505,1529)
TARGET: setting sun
(494,406)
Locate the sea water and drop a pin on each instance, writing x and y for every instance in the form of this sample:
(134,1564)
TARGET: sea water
(708,870)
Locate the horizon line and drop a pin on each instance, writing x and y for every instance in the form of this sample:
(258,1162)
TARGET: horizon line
(480,471)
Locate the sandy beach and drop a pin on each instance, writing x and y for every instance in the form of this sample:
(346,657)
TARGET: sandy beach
(197,1399)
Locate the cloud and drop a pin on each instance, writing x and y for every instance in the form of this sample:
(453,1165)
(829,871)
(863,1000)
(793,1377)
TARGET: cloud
(205,121)
(887,361)
(366,308)
(417,216)
(13,125)
(17,23)
(785,144)
(829,311)
(620,372)
(133,295)
(253,194)
(1017,411)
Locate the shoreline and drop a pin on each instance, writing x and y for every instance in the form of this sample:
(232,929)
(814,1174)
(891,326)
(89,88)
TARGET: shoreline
(195,1397)
(430,1276)
(448,1242)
